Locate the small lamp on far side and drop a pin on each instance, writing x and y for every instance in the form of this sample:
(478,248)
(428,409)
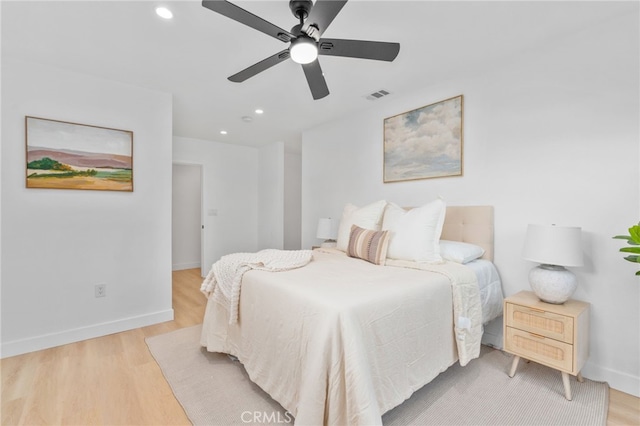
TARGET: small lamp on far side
(327,232)
(554,247)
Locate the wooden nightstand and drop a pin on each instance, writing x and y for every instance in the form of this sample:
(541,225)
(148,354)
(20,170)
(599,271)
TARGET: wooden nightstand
(553,335)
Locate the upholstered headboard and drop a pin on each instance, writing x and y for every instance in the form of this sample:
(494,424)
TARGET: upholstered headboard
(470,224)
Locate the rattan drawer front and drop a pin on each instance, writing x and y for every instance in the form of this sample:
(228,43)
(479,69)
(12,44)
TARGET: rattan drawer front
(537,348)
(544,323)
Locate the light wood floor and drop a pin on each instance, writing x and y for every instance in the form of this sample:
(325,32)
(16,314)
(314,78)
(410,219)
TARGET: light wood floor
(111,380)
(114,380)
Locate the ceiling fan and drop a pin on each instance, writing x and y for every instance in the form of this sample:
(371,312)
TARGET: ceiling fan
(305,40)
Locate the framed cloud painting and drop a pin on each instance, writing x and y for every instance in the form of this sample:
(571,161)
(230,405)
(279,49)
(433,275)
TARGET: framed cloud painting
(425,142)
(62,155)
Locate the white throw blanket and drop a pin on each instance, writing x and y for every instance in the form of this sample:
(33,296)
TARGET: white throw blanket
(225,277)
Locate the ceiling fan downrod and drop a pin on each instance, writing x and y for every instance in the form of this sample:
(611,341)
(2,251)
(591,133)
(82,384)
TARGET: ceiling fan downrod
(300,9)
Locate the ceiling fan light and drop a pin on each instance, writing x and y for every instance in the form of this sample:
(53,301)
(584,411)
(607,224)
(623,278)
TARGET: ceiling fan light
(303,50)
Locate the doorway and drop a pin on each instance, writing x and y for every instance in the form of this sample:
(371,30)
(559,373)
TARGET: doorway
(186,218)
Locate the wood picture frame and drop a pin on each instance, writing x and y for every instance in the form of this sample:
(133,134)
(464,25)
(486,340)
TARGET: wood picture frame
(65,155)
(424,143)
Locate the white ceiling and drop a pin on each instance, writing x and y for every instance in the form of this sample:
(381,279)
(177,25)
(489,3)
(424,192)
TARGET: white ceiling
(192,55)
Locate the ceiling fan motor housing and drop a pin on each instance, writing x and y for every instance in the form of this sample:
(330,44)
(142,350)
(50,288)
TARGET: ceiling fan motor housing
(300,8)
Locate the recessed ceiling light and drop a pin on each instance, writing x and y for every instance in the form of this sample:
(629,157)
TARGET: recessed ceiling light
(223,132)
(163,12)
(259,111)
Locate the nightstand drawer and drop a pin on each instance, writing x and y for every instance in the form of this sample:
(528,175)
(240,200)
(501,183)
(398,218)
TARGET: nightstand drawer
(547,324)
(540,349)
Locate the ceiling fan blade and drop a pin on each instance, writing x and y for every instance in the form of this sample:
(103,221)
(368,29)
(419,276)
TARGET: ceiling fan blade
(236,13)
(260,66)
(322,14)
(377,50)
(317,83)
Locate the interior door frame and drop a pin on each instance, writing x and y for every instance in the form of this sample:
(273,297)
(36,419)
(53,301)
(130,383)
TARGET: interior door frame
(203,272)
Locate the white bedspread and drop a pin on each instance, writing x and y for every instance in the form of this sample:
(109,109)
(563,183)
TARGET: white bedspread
(342,341)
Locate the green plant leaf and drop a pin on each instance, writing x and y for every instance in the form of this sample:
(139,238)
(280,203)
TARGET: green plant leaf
(622,237)
(633,239)
(627,238)
(630,250)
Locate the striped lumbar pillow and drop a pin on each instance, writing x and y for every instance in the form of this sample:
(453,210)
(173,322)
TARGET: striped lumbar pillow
(368,245)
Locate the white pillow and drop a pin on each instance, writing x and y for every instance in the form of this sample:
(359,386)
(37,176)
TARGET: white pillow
(367,217)
(415,234)
(459,252)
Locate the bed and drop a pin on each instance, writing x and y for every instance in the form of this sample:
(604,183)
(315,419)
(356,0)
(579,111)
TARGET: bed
(342,341)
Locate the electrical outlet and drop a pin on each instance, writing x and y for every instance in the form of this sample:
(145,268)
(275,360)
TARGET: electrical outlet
(101,290)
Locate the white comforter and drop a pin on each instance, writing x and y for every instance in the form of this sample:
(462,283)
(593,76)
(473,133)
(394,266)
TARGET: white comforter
(342,341)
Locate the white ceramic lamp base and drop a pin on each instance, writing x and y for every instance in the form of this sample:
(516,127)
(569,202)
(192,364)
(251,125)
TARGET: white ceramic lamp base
(552,284)
(328,244)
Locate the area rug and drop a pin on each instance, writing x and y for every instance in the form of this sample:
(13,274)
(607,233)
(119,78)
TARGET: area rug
(215,390)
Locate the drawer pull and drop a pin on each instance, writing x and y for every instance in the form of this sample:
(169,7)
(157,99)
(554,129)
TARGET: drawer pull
(536,335)
(542,311)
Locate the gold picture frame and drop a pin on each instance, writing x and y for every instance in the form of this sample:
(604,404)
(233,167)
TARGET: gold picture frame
(424,143)
(64,155)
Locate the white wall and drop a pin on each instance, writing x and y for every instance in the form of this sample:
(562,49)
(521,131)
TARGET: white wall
(58,244)
(186,216)
(230,195)
(550,136)
(271,196)
(292,200)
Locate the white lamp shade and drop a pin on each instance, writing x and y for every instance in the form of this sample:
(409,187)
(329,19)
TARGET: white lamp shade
(326,230)
(554,245)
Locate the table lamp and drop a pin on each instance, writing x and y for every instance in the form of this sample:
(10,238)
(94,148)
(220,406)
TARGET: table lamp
(327,232)
(554,247)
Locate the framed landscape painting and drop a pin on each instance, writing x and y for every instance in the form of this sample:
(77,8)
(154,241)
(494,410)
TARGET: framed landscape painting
(62,155)
(424,143)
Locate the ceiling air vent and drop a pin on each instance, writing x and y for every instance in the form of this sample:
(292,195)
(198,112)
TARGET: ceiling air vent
(377,95)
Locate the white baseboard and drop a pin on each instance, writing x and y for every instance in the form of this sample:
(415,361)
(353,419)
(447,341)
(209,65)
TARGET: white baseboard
(45,341)
(188,265)
(617,380)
